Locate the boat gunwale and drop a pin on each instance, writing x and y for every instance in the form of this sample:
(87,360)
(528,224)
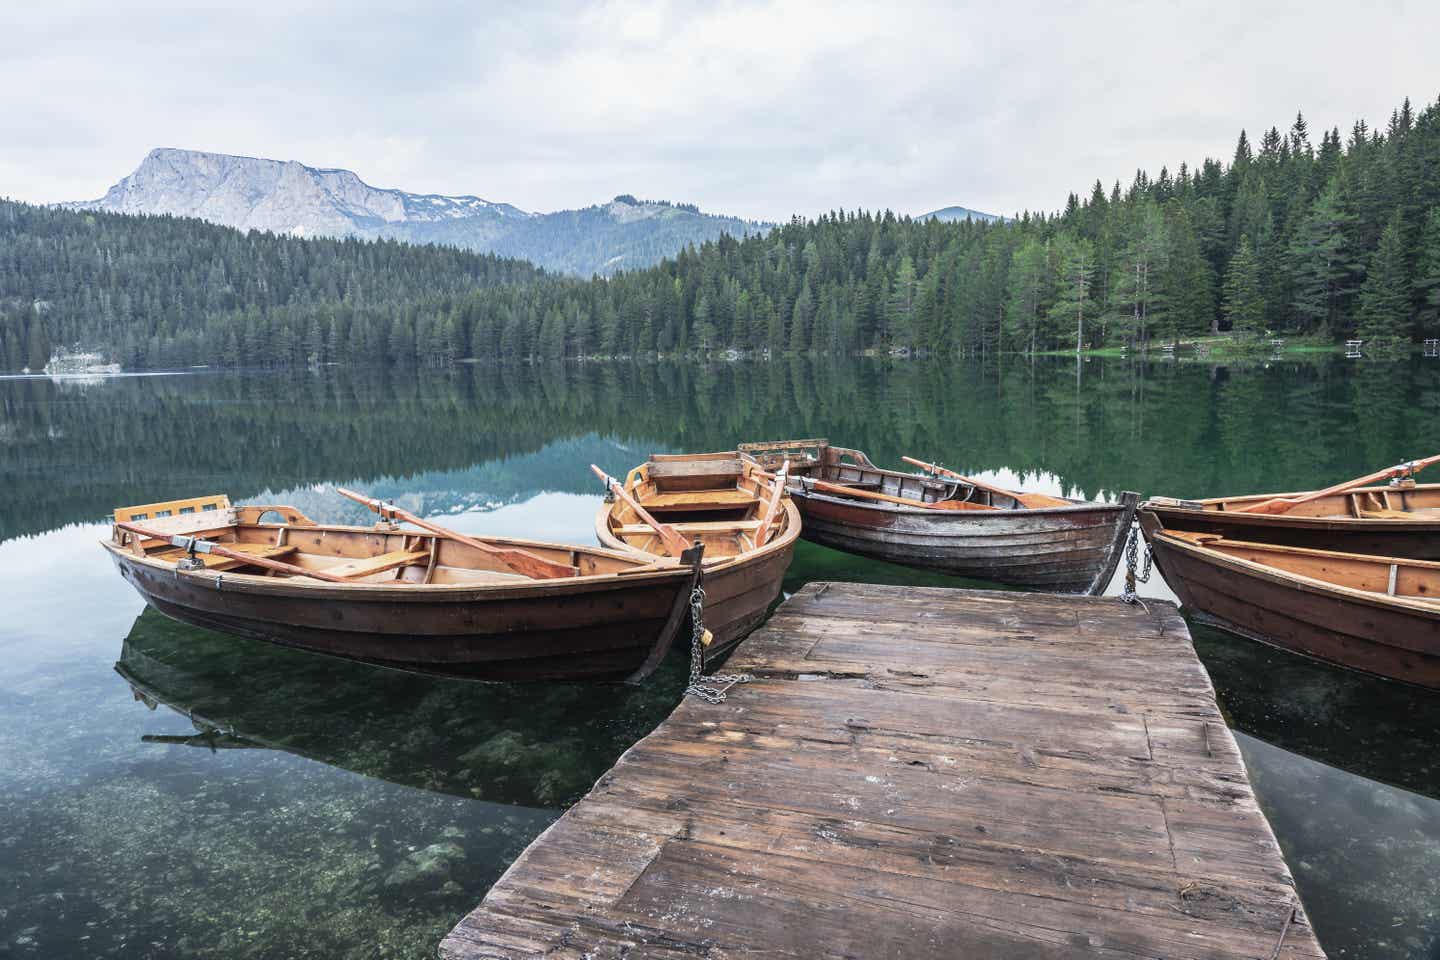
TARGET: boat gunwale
(613,544)
(1334,522)
(966,515)
(519,588)
(789,532)
(1311,585)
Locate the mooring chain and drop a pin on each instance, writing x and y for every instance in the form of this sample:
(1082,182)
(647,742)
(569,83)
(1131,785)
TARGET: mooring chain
(1132,560)
(711,689)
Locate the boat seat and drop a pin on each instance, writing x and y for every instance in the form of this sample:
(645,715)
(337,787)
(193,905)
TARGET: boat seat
(732,499)
(1386,515)
(366,566)
(715,469)
(697,526)
(214,561)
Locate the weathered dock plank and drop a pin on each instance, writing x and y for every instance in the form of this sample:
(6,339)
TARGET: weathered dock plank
(920,772)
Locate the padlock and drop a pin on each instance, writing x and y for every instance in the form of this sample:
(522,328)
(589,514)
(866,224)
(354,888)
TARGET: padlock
(706,638)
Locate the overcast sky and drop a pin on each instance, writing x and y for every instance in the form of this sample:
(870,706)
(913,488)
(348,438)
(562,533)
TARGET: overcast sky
(755,109)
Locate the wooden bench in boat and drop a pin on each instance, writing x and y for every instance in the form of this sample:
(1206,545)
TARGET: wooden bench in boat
(696,527)
(701,500)
(668,469)
(367,566)
(214,561)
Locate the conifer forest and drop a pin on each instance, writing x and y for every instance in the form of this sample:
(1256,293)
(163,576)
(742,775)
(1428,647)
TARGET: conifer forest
(1310,238)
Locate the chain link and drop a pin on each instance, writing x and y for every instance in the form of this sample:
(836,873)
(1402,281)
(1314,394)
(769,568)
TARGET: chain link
(713,688)
(1132,560)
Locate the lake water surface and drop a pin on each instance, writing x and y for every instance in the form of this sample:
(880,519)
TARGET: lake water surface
(167,792)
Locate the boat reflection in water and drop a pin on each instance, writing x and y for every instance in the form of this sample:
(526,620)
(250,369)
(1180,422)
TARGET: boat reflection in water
(529,745)
(1343,764)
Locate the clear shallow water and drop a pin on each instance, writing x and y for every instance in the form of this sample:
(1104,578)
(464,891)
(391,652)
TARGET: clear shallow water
(165,792)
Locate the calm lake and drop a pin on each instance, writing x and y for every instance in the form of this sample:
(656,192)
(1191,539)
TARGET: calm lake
(167,792)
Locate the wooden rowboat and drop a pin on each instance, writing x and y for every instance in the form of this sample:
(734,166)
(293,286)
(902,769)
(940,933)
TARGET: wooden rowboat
(1400,520)
(746,523)
(426,601)
(1380,615)
(948,523)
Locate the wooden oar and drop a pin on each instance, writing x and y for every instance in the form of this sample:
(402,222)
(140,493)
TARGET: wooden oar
(670,538)
(828,487)
(521,561)
(210,546)
(1032,500)
(903,501)
(1283,504)
(776,495)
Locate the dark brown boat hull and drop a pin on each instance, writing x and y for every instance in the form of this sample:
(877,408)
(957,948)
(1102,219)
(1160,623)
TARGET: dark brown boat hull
(739,595)
(1063,550)
(1389,640)
(602,629)
(1413,539)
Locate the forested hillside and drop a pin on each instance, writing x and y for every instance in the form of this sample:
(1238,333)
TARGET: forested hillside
(1332,240)
(164,291)
(1336,240)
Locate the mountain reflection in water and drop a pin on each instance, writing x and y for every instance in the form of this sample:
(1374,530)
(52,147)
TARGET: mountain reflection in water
(384,805)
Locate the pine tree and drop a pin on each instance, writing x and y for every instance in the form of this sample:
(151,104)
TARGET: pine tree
(1427,274)
(1384,316)
(901,305)
(1029,293)
(801,317)
(38,344)
(1136,290)
(314,343)
(1073,302)
(1319,263)
(1244,303)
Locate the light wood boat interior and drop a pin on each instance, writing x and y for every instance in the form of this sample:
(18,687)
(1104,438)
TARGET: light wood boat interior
(853,470)
(1390,576)
(384,554)
(1398,502)
(716,498)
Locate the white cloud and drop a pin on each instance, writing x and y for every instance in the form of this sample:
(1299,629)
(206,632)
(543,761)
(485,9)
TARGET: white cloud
(758,109)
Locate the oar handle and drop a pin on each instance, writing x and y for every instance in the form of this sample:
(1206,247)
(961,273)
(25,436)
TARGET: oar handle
(762,533)
(927,467)
(1282,504)
(668,535)
(198,545)
(520,561)
(374,504)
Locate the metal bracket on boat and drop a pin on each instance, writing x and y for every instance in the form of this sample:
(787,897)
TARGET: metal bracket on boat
(385,509)
(191,546)
(1403,474)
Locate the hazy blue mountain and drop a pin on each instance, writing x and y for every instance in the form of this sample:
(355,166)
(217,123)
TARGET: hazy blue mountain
(958,213)
(291,198)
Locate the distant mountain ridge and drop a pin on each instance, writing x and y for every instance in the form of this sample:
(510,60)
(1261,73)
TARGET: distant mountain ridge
(950,214)
(288,197)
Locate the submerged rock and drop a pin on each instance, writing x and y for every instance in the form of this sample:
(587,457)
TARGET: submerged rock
(426,867)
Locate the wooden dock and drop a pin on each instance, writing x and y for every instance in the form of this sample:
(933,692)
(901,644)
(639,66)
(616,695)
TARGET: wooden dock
(920,772)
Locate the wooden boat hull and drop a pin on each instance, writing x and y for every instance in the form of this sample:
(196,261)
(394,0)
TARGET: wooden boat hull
(1349,628)
(1415,539)
(1064,549)
(720,500)
(738,592)
(587,628)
